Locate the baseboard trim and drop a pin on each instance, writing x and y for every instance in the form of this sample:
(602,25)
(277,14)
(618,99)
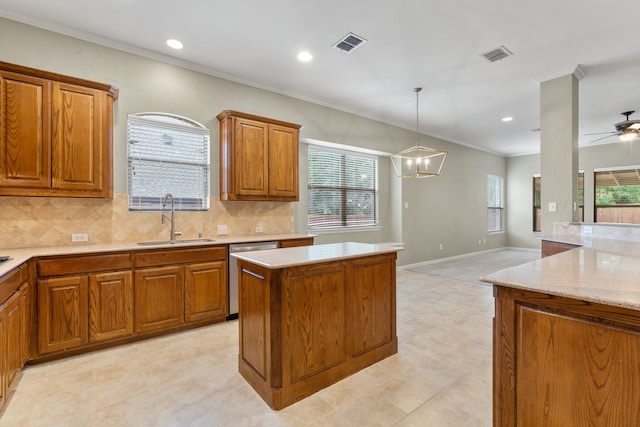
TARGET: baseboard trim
(438,260)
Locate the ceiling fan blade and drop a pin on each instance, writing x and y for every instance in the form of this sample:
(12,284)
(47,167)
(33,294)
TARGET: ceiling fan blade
(600,133)
(604,137)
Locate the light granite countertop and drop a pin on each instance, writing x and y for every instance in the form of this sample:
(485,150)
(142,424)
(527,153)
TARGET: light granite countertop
(603,271)
(303,255)
(20,255)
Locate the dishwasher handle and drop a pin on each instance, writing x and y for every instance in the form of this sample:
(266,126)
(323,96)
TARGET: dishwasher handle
(252,247)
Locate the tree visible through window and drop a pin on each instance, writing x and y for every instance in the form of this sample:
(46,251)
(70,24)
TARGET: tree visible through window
(342,189)
(167,154)
(617,196)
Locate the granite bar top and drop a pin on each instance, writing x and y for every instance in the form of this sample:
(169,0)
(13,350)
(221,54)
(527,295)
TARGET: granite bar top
(602,271)
(20,255)
(304,255)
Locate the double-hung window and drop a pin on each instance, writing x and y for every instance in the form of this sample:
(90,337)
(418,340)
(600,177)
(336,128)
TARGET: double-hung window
(495,203)
(167,154)
(342,189)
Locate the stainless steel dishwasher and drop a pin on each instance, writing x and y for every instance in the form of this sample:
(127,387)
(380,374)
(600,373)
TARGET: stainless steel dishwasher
(233,271)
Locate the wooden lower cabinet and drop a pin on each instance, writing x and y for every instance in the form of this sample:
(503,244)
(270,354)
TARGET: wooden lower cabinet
(63,313)
(110,305)
(305,241)
(159,298)
(549,247)
(205,291)
(86,300)
(13,338)
(15,330)
(564,362)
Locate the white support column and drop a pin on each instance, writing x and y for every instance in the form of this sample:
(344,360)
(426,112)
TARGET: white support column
(559,149)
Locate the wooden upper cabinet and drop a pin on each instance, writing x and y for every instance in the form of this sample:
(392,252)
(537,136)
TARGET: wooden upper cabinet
(79,139)
(56,137)
(25,155)
(258,158)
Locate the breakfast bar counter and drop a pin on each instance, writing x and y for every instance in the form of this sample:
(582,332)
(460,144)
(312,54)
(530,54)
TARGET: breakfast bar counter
(567,338)
(311,316)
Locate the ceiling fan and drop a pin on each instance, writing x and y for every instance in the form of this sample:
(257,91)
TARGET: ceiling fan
(627,130)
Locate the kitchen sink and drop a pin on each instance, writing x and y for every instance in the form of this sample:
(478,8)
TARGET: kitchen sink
(175,242)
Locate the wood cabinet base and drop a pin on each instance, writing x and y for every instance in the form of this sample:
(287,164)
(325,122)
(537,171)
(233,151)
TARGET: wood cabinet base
(564,362)
(304,328)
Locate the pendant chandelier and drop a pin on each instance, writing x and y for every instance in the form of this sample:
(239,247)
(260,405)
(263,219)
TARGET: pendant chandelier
(418,161)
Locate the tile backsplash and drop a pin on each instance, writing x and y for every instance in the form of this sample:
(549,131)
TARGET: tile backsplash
(50,221)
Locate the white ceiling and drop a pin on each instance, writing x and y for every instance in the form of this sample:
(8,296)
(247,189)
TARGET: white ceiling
(434,44)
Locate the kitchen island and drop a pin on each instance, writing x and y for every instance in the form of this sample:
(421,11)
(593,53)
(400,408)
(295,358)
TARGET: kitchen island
(567,338)
(311,316)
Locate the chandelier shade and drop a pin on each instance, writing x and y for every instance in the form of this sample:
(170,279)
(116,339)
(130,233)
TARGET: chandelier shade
(418,161)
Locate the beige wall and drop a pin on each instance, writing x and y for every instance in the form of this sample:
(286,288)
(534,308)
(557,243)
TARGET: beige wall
(450,209)
(520,171)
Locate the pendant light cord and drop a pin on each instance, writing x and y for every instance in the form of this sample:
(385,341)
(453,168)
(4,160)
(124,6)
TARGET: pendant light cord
(417,91)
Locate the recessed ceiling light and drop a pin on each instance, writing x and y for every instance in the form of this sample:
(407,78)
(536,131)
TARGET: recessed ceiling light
(175,44)
(507,119)
(305,57)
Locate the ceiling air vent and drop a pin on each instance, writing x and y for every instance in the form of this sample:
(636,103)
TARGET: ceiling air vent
(496,54)
(349,42)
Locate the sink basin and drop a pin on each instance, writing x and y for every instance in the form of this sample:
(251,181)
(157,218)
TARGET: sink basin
(175,242)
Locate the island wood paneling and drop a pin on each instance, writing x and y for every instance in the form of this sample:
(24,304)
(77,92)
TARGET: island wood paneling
(560,362)
(303,328)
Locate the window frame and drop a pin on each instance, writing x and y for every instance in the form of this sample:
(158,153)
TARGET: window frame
(634,170)
(499,208)
(186,165)
(344,226)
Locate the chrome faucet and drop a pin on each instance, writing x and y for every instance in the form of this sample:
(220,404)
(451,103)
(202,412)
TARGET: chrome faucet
(174,233)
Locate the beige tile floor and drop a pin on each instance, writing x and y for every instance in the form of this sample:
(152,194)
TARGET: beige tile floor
(441,375)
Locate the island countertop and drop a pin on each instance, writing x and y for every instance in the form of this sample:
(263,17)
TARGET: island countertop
(606,273)
(303,255)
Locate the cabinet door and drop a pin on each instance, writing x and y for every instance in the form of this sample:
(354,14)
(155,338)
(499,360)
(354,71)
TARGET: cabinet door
(205,293)
(110,305)
(251,156)
(3,357)
(14,337)
(25,140)
(63,318)
(79,140)
(371,303)
(159,298)
(283,162)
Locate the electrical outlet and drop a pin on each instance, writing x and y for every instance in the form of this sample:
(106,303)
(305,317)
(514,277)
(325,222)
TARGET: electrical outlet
(222,229)
(441,246)
(587,229)
(259,229)
(80,237)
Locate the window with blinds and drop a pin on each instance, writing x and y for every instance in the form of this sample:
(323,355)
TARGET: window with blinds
(342,189)
(495,203)
(167,154)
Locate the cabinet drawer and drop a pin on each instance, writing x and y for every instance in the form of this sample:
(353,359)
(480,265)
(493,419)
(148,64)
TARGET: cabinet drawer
(59,266)
(165,256)
(306,241)
(10,282)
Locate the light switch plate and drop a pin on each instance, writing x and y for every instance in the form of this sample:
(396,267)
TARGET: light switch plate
(552,206)
(222,229)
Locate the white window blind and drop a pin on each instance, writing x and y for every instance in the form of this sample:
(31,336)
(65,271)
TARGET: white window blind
(495,203)
(167,154)
(342,189)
